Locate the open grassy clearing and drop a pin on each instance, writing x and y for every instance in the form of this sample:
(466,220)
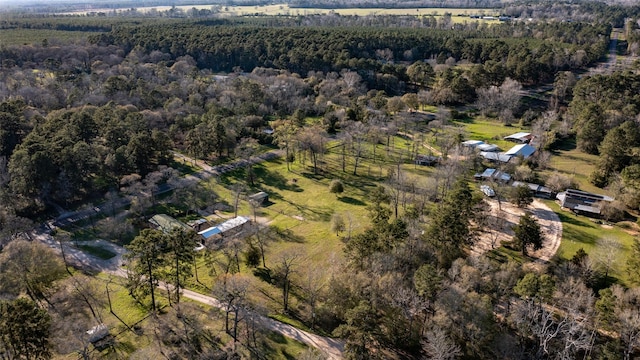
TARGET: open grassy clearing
(491,131)
(285,10)
(582,232)
(36,36)
(301,207)
(570,161)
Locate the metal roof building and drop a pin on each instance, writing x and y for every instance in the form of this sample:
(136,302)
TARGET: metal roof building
(524,150)
(227,226)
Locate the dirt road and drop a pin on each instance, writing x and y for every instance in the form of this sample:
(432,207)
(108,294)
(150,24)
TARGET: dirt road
(504,220)
(332,348)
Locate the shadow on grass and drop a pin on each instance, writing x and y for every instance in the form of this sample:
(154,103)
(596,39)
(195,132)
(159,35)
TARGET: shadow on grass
(352,201)
(571,220)
(262,274)
(504,254)
(579,236)
(564,145)
(289,236)
(274,179)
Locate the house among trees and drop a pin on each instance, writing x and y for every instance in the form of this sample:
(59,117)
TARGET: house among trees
(427,160)
(166,223)
(582,202)
(228,228)
(536,190)
(521,137)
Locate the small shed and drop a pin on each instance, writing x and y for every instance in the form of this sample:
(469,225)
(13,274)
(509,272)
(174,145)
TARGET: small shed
(259,197)
(521,137)
(472,143)
(427,160)
(97,333)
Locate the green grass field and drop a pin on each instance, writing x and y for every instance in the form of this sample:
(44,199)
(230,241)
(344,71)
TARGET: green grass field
(491,131)
(582,232)
(36,36)
(570,161)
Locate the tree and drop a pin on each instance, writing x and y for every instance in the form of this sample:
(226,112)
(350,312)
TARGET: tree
(24,330)
(633,262)
(246,148)
(145,264)
(336,187)
(439,346)
(522,196)
(527,234)
(29,267)
(284,132)
(179,255)
(233,290)
(608,251)
(311,139)
(450,224)
(286,265)
(360,331)
(337,223)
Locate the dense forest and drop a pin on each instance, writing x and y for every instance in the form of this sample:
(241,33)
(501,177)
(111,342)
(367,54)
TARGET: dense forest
(345,105)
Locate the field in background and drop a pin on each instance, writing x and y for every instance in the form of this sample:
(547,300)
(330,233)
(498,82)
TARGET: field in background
(285,10)
(36,36)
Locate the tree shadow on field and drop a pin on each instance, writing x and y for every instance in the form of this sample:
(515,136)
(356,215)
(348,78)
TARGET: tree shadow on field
(275,179)
(352,201)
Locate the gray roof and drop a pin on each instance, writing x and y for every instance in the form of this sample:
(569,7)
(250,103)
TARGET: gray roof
(495,156)
(524,150)
(472,143)
(488,147)
(521,136)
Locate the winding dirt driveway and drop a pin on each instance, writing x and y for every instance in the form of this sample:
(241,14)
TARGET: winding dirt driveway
(332,348)
(502,223)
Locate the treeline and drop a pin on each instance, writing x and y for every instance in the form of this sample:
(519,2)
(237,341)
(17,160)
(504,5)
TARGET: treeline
(604,111)
(613,15)
(369,51)
(398,4)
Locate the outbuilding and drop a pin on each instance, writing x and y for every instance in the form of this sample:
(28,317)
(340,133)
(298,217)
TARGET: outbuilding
(521,137)
(524,150)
